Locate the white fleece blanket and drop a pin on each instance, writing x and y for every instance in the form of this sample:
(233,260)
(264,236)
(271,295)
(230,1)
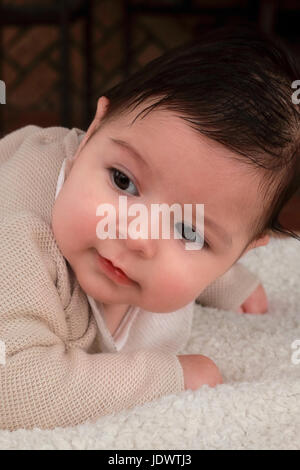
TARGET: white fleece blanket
(258,405)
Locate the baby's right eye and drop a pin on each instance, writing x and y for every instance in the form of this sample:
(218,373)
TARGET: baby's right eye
(122,181)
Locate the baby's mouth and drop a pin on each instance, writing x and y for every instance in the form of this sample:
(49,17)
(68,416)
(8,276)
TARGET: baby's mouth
(117,270)
(113,271)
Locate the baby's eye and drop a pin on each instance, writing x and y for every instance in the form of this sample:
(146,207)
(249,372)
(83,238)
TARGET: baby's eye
(189,234)
(122,181)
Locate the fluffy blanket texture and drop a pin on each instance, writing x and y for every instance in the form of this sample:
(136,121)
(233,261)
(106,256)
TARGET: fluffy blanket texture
(257,407)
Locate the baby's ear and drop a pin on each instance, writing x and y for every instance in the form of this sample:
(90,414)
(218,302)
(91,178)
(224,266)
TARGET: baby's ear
(264,240)
(102,107)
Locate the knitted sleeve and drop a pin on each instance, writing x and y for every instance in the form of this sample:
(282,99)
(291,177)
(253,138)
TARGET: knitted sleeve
(230,290)
(47,379)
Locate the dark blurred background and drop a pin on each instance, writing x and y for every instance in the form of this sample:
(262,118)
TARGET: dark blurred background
(58,57)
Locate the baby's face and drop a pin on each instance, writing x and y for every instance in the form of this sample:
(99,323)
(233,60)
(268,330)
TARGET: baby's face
(177,166)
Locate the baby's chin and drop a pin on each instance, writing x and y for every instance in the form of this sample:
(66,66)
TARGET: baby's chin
(106,292)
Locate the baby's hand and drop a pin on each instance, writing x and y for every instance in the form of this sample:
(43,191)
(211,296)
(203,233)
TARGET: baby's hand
(257,302)
(199,370)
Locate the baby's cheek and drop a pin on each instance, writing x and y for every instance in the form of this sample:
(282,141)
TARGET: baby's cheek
(174,289)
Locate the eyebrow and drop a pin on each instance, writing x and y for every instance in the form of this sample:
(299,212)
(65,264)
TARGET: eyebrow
(226,238)
(131,150)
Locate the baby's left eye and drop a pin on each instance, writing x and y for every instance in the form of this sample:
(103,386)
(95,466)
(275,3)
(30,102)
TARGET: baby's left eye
(189,234)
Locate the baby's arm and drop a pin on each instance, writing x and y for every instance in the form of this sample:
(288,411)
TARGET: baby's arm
(229,291)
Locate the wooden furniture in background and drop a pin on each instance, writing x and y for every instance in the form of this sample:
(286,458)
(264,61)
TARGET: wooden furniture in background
(61,14)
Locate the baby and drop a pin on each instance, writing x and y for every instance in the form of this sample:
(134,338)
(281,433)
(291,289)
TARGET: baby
(220,130)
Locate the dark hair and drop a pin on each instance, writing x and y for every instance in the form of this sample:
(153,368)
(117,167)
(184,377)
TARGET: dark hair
(234,85)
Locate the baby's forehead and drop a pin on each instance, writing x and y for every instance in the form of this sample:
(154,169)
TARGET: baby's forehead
(183,158)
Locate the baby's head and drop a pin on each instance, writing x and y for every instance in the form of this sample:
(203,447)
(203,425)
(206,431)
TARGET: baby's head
(220,129)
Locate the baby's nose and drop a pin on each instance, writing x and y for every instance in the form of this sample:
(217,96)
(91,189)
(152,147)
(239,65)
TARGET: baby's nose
(137,235)
(146,247)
